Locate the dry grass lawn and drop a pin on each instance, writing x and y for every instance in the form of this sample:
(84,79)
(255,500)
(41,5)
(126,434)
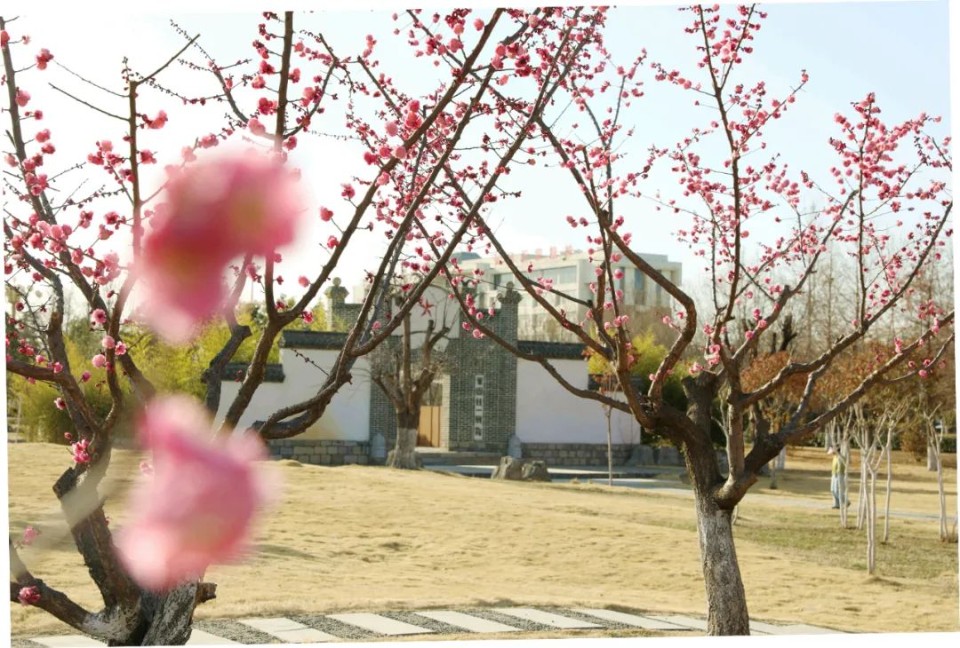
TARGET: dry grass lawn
(365,538)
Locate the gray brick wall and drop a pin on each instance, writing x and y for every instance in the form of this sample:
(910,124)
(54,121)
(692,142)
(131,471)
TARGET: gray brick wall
(321,452)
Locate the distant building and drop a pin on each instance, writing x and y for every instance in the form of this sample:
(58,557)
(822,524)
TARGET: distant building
(572,273)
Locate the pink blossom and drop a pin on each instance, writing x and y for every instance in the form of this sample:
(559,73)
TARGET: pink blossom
(325,214)
(99,361)
(108,342)
(216,211)
(81,451)
(29,595)
(478,24)
(159,121)
(60,403)
(98,316)
(23,97)
(256,127)
(304,281)
(121,349)
(348,192)
(197,508)
(392,128)
(86,375)
(29,535)
(332,242)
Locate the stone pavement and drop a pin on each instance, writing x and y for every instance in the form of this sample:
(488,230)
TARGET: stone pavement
(357,626)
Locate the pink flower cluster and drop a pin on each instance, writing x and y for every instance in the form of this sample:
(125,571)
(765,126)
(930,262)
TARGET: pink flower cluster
(214,212)
(196,500)
(29,595)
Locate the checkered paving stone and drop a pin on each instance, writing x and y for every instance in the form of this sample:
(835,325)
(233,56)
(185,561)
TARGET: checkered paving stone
(365,626)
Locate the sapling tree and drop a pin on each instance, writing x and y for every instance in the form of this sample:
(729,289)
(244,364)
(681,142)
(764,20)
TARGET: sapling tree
(176,252)
(886,176)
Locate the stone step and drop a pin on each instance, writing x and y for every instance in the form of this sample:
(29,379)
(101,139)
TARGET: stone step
(467,622)
(546,618)
(288,630)
(379,624)
(647,623)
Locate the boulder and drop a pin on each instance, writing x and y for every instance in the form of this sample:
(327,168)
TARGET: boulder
(521,470)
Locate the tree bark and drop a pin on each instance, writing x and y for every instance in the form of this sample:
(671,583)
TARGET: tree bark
(886,504)
(404,455)
(171,617)
(726,599)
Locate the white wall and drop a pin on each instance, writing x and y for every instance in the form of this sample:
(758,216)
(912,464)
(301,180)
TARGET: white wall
(347,417)
(548,413)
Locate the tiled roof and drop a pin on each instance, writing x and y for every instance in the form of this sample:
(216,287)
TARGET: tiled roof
(237,370)
(555,350)
(313,340)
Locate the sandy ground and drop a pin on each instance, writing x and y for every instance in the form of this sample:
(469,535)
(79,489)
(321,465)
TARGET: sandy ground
(365,538)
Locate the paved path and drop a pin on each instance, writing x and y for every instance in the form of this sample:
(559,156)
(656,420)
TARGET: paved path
(366,626)
(644,477)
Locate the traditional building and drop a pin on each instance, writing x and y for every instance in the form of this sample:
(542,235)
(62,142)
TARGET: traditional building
(484,399)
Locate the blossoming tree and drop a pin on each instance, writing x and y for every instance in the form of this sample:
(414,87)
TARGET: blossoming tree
(885,204)
(178,252)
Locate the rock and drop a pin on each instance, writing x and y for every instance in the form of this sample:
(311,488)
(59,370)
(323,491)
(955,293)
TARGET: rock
(514,447)
(535,471)
(521,470)
(378,448)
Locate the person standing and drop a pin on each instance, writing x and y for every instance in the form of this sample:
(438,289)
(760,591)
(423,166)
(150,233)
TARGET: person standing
(838,477)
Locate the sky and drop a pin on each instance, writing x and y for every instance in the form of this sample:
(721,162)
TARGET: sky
(900,50)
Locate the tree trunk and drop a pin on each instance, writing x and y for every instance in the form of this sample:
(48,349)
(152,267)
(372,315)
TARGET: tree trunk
(404,455)
(726,599)
(609,412)
(170,618)
(871,519)
(944,534)
(886,504)
(931,456)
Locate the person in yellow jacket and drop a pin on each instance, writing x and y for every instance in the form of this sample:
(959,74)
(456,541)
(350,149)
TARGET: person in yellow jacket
(838,477)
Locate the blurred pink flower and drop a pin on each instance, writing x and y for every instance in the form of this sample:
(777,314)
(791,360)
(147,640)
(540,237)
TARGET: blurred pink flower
(99,361)
(29,535)
(215,212)
(29,595)
(197,507)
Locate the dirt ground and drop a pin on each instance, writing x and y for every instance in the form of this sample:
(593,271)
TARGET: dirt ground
(366,538)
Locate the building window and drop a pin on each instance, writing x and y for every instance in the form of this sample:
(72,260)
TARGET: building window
(478,381)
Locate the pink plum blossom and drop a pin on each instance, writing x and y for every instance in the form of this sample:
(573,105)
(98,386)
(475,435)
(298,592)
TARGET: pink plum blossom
(81,451)
(215,212)
(197,507)
(99,361)
(29,595)
(98,316)
(29,535)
